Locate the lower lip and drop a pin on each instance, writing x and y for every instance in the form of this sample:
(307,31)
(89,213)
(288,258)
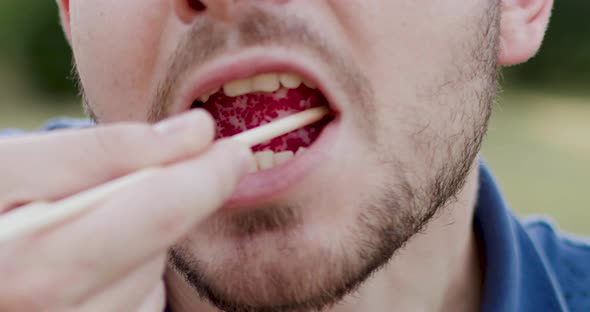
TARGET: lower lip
(268,185)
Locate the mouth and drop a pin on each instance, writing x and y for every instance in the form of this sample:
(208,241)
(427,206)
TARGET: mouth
(257,97)
(245,104)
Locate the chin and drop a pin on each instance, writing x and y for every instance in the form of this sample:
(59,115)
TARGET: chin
(274,262)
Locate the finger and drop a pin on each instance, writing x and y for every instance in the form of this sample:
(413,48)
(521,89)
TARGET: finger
(30,291)
(156,300)
(145,219)
(52,166)
(140,288)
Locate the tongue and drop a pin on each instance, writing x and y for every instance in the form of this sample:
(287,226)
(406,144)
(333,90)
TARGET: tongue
(237,114)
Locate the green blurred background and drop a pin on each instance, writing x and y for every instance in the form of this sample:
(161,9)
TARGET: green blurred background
(538,144)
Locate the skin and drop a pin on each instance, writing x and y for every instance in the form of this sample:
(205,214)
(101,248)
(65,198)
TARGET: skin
(418,81)
(39,269)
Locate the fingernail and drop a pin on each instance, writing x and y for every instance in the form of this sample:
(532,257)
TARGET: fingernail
(179,124)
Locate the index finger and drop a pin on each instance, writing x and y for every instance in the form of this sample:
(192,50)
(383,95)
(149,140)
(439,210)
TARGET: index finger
(143,220)
(56,165)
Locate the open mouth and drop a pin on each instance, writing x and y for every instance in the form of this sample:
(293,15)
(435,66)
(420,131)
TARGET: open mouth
(244,104)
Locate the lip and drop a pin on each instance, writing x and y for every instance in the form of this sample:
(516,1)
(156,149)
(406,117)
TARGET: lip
(268,185)
(251,63)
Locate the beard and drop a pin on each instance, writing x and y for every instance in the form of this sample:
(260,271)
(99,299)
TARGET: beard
(390,213)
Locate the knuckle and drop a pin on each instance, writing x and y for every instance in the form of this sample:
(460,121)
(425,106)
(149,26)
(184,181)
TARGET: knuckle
(117,146)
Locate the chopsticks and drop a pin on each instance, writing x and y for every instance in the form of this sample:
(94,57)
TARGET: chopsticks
(42,215)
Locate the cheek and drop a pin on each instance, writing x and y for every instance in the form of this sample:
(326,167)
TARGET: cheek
(116,46)
(413,52)
(403,45)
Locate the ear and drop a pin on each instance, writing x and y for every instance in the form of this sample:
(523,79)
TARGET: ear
(64,14)
(522,29)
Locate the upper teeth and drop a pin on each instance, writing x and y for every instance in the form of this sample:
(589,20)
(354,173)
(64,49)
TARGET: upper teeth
(266,83)
(269,83)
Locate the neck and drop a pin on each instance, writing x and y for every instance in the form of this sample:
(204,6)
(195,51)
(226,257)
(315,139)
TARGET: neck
(438,270)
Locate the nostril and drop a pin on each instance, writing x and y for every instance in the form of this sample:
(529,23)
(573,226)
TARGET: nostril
(197,5)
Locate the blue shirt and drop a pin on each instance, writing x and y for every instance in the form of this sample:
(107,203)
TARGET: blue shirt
(529,265)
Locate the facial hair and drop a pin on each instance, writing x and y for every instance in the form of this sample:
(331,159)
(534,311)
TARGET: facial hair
(390,217)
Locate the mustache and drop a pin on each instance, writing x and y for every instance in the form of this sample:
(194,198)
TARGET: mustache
(208,38)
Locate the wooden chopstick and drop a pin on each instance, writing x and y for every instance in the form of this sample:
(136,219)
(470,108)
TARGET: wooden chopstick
(42,215)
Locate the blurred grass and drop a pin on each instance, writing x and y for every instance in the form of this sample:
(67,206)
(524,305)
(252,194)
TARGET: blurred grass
(25,108)
(538,145)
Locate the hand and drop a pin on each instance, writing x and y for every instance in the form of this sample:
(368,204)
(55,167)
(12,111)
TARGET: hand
(111,258)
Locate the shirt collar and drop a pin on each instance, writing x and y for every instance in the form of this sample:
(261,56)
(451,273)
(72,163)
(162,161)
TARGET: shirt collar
(516,275)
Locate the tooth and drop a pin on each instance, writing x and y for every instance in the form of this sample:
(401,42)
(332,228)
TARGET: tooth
(301,150)
(238,87)
(210,93)
(266,83)
(265,159)
(204,98)
(290,81)
(253,165)
(207,95)
(309,84)
(283,157)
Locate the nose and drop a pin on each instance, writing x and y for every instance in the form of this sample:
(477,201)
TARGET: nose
(224,10)
(187,10)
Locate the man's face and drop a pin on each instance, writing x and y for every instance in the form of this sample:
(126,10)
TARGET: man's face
(411,83)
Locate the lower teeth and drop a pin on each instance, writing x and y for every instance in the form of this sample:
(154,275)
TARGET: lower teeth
(268,159)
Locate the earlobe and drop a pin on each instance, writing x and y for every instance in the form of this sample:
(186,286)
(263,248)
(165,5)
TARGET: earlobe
(64,13)
(522,29)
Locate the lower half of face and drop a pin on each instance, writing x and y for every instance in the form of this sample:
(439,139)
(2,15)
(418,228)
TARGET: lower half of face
(416,84)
